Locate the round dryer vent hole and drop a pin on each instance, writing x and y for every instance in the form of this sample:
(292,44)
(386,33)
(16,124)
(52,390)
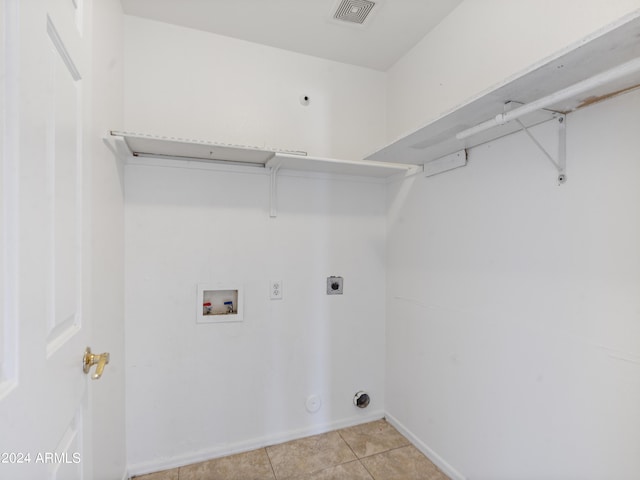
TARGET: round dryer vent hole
(313,403)
(361,399)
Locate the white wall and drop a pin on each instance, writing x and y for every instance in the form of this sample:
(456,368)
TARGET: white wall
(107,233)
(513,325)
(511,303)
(480,44)
(516,300)
(198,391)
(192,84)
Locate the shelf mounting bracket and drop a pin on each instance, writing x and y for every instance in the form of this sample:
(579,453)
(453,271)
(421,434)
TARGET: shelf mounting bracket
(560,163)
(273,191)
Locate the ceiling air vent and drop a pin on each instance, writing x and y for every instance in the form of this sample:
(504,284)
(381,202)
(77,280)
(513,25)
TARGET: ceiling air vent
(354,11)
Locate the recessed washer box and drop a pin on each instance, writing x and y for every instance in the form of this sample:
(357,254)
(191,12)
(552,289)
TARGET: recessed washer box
(219,303)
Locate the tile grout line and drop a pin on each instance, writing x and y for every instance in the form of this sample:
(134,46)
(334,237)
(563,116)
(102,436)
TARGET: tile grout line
(356,459)
(356,455)
(347,444)
(315,472)
(408,444)
(398,448)
(391,450)
(365,468)
(270,464)
(375,454)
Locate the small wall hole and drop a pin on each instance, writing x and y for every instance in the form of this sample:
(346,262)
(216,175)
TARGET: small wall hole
(334,285)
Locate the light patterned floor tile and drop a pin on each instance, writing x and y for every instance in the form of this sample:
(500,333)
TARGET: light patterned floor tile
(347,471)
(164,475)
(309,455)
(406,463)
(252,465)
(373,437)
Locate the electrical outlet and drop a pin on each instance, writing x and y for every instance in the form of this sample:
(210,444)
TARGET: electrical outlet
(275,287)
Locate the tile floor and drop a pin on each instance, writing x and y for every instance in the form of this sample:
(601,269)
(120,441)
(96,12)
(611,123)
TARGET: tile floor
(372,451)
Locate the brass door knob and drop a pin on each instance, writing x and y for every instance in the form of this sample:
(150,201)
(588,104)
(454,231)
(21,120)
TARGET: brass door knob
(89,359)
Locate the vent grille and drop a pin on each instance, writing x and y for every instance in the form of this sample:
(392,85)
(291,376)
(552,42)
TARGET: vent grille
(354,11)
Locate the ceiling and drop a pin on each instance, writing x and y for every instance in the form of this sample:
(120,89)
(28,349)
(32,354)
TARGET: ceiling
(307,26)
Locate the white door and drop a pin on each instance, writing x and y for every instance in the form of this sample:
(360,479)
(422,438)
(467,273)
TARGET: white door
(44,322)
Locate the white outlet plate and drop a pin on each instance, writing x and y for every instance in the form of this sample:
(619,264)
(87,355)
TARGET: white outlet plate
(275,289)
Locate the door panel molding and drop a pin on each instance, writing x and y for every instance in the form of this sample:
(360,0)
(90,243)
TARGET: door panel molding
(59,45)
(68,453)
(65,185)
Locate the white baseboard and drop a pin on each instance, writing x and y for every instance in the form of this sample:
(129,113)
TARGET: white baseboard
(126,476)
(160,464)
(440,462)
